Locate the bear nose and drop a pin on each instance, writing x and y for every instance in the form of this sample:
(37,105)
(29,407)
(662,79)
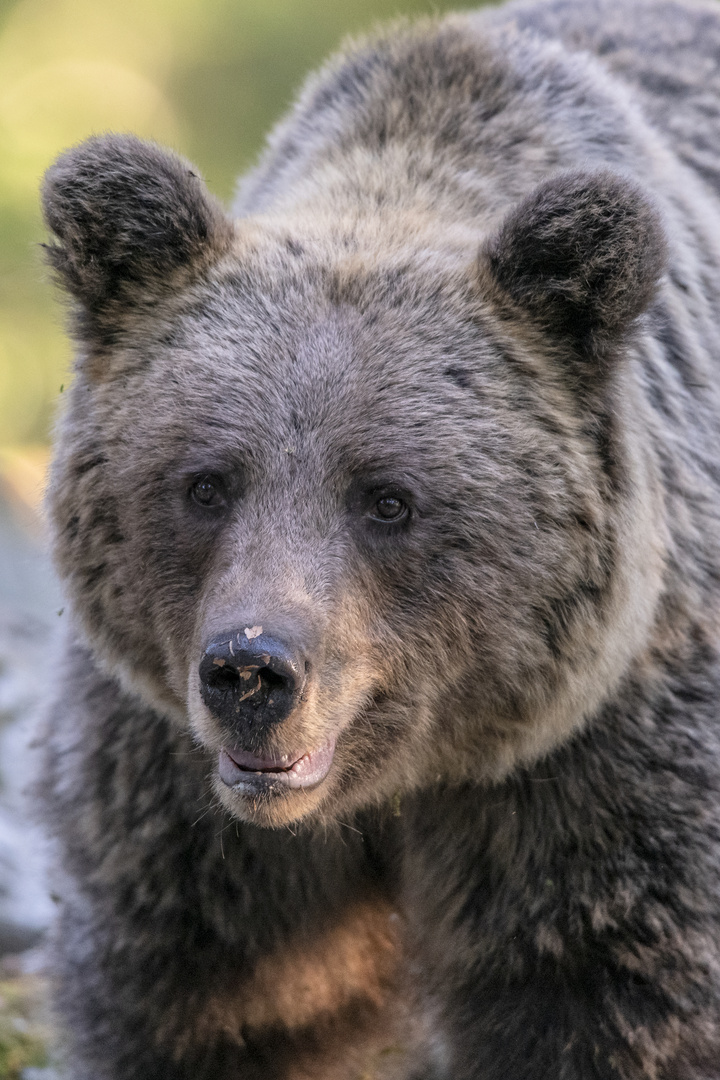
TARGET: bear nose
(249,681)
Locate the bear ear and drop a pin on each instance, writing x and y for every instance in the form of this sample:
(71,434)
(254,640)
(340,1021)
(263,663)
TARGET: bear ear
(128,219)
(580,257)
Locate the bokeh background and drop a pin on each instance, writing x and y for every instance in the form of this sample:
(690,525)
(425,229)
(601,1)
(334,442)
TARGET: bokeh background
(208,78)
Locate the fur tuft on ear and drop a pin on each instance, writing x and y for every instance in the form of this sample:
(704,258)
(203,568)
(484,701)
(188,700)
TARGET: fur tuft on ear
(581,256)
(128,217)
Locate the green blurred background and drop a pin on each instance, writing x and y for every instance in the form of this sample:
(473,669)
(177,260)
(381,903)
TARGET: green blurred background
(207,77)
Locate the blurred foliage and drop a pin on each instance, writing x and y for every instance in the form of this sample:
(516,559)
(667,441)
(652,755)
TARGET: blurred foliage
(207,77)
(24,1029)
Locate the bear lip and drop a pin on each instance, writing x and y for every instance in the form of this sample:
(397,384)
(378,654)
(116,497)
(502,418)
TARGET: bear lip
(239,768)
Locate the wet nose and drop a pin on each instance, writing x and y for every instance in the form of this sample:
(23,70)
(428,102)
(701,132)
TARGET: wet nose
(248,681)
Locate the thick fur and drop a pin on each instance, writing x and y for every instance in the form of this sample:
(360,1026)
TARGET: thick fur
(130,222)
(476,273)
(580,256)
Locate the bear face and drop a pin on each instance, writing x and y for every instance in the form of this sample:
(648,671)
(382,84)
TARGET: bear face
(360,509)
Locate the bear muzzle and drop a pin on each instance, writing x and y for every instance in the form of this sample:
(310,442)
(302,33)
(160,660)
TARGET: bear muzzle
(251,682)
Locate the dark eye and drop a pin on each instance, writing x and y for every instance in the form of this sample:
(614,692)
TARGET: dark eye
(389,508)
(208,491)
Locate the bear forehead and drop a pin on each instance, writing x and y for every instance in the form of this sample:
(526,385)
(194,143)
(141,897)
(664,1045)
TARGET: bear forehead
(288,359)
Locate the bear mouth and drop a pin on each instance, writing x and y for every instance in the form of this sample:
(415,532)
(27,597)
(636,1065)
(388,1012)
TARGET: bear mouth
(241,769)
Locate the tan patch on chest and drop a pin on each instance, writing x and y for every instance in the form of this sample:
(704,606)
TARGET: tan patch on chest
(355,960)
(341,982)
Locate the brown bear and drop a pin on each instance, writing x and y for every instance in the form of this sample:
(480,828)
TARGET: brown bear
(386,741)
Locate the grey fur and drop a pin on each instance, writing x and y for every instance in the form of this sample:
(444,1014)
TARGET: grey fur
(475,273)
(128,218)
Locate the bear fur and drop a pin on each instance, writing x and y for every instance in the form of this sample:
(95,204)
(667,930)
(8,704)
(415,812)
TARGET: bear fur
(427,433)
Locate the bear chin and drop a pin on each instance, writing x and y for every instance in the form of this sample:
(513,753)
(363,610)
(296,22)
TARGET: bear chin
(271,803)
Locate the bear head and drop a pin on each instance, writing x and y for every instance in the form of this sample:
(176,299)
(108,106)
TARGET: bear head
(365,508)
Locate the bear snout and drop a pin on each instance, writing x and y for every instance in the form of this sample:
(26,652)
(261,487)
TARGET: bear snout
(251,681)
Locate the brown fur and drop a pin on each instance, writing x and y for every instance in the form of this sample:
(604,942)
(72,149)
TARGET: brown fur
(343,982)
(475,277)
(297,986)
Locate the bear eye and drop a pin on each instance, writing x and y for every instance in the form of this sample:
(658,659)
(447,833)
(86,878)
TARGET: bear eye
(389,508)
(208,491)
